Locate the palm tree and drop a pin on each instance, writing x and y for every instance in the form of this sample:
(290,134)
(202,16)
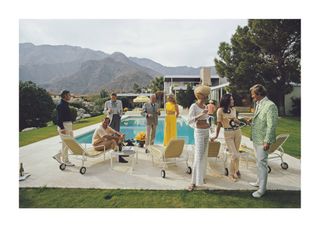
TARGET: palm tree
(157,84)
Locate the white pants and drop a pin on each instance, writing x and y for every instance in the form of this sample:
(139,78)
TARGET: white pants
(201,138)
(64,151)
(262,166)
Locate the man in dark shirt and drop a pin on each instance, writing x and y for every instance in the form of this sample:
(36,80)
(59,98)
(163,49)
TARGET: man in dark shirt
(64,122)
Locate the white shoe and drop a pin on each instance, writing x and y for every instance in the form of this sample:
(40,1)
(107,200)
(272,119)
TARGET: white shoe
(257,194)
(254,184)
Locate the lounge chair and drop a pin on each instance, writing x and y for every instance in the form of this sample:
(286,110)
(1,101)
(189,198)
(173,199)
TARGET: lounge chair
(275,151)
(245,153)
(277,146)
(172,153)
(77,149)
(214,152)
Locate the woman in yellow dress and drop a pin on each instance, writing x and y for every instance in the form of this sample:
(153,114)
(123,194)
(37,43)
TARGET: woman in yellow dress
(170,126)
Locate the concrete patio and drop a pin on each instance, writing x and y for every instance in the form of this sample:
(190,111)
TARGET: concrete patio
(37,160)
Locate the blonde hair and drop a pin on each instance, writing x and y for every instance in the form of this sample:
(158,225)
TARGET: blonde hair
(259,89)
(203,90)
(172,98)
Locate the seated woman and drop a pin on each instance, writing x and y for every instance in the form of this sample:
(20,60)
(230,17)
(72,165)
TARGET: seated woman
(107,136)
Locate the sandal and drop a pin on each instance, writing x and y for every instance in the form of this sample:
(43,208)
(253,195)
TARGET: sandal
(191,187)
(233,179)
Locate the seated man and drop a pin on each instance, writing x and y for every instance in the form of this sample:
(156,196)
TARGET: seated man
(107,136)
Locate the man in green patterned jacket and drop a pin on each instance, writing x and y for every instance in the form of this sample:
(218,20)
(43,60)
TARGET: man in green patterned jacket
(263,134)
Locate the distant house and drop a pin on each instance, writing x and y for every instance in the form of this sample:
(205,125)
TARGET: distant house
(218,90)
(173,83)
(55,97)
(134,95)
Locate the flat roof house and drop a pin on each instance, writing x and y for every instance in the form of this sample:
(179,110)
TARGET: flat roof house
(173,83)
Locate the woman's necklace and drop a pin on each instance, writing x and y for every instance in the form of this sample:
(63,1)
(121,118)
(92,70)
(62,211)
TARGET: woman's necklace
(202,106)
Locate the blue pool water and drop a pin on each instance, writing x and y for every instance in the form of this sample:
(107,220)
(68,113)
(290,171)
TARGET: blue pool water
(132,125)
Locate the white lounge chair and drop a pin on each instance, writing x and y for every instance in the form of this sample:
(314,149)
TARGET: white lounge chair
(77,149)
(172,153)
(214,152)
(275,151)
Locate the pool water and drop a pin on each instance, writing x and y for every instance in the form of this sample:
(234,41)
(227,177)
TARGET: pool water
(131,126)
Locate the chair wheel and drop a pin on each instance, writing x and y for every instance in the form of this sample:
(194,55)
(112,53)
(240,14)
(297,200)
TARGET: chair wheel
(62,166)
(226,172)
(83,170)
(189,170)
(284,165)
(269,169)
(163,174)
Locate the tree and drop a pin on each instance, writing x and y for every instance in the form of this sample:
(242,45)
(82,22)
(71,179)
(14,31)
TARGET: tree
(160,98)
(127,102)
(157,84)
(35,105)
(265,52)
(136,88)
(99,104)
(186,97)
(104,93)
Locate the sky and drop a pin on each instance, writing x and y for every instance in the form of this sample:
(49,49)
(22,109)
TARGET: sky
(168,42)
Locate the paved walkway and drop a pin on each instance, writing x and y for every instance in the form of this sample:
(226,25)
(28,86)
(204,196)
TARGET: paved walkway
(37,160)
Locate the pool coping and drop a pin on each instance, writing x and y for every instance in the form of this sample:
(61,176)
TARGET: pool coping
(122,118)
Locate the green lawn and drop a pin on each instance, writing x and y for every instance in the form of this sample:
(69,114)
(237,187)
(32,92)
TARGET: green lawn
(35,135)
(290,125)
(116,198)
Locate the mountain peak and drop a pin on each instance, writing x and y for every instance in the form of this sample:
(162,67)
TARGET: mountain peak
(120,57)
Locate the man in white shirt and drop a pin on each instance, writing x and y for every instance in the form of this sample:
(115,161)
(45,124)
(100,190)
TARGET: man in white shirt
(114,109)
(106,136)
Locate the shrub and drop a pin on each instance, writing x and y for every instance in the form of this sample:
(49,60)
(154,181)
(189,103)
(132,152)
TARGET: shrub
(186,98)
(99,105)
(35,105)
(296,106)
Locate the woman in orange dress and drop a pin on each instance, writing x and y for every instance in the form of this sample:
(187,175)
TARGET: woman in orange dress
(170,126)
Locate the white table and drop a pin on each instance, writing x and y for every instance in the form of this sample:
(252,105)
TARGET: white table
(130,151)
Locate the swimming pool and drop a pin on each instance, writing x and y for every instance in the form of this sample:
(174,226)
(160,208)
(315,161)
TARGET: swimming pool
(130,126)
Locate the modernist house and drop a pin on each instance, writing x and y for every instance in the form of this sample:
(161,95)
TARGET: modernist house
(173,83)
